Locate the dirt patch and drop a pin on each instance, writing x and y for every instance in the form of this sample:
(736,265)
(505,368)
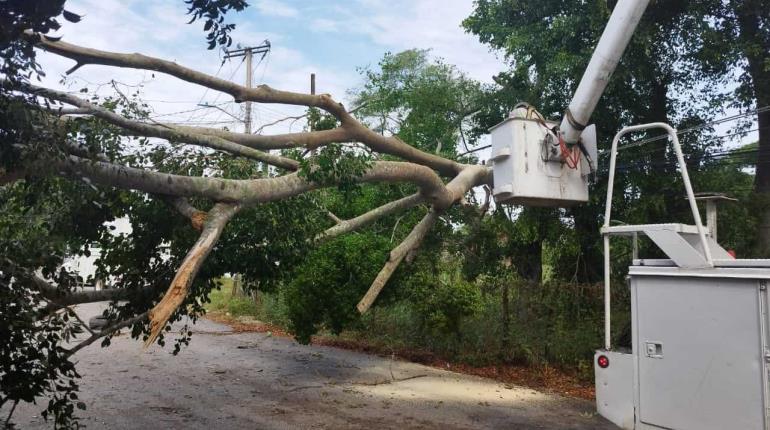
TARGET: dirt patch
(546,378)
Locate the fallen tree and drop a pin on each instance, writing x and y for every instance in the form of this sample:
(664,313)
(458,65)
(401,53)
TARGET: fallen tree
(71,162)
(442,182)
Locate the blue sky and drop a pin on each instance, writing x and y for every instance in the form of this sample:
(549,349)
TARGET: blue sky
(330,38)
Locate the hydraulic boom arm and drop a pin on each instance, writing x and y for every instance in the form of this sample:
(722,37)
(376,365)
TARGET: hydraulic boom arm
(621,26)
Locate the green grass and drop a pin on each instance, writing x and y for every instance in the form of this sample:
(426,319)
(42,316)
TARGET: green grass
(222,300)
(268,307)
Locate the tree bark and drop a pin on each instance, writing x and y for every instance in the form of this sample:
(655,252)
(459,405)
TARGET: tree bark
(159,315)
(505,338)
(395,257)
(755,43)
(369,217)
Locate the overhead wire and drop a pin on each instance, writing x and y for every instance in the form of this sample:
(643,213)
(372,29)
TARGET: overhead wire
(185,111)
(692,129)
(206,90)
(219,94)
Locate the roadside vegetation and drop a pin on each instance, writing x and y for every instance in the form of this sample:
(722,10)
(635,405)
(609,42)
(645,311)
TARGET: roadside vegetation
(548,326)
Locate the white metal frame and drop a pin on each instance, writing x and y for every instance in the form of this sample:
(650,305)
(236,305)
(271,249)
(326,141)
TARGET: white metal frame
(606,231)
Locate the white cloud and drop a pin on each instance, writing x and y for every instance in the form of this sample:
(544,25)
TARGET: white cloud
(324,25)
(276,8)
(435,24)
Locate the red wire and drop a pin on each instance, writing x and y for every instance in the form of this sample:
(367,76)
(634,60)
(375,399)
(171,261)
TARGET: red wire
(571,158)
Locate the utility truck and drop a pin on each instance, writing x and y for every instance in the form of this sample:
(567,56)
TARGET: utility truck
(699,318)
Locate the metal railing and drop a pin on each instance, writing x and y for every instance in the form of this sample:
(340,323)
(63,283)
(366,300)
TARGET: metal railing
(608,211)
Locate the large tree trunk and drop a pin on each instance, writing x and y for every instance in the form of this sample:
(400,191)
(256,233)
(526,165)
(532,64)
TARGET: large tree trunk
(529,264)
(755,45)
(762,182)
(505,338)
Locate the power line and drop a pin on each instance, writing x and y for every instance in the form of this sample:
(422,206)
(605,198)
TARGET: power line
(692,129)
(247,53)
(205,91)
(184,111)
(219,93)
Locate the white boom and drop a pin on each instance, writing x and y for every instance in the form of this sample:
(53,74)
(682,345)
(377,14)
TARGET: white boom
(616,36)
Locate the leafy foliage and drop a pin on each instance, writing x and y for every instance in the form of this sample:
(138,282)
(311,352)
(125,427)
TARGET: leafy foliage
(214,11)
(335,164)
(43,221)
(326,288)
(33,360)
(423,101)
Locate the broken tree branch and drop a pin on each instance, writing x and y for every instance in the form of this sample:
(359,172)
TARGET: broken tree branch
(183,206)
(246,191)
(354,130)
(169,133)
(107,331)
(373,215)
(310,139)
(395,257)
(159,315)
(468,178)
(62,298)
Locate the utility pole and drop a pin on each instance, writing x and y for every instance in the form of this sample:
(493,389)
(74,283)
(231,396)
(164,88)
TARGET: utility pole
(248,53)
(312,92)
(312,83)
(247,120)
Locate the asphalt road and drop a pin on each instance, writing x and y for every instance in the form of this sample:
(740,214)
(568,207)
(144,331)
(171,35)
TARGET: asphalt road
(227,380)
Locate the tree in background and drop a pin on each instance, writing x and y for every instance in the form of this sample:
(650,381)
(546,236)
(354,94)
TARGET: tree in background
(413,98)
(660,78)
(734,39)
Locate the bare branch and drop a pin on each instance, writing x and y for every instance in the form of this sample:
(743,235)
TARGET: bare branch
(373,215)
(107,331)
(61,298)
(183,206)
(333,217)
(144,180)
(278,121)
(168,133)
(395,257)
(216,221)
(68,111)
(310,140)
(263,94)
(246,191)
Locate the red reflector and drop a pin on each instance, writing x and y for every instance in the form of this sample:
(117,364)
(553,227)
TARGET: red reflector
(603,361)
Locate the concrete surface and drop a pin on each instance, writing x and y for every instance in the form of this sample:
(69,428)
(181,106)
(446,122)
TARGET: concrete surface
(225,380)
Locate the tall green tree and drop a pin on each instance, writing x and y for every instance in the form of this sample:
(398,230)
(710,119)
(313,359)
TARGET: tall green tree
(417,99)
(548,45)
(420,99)
(734,38)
